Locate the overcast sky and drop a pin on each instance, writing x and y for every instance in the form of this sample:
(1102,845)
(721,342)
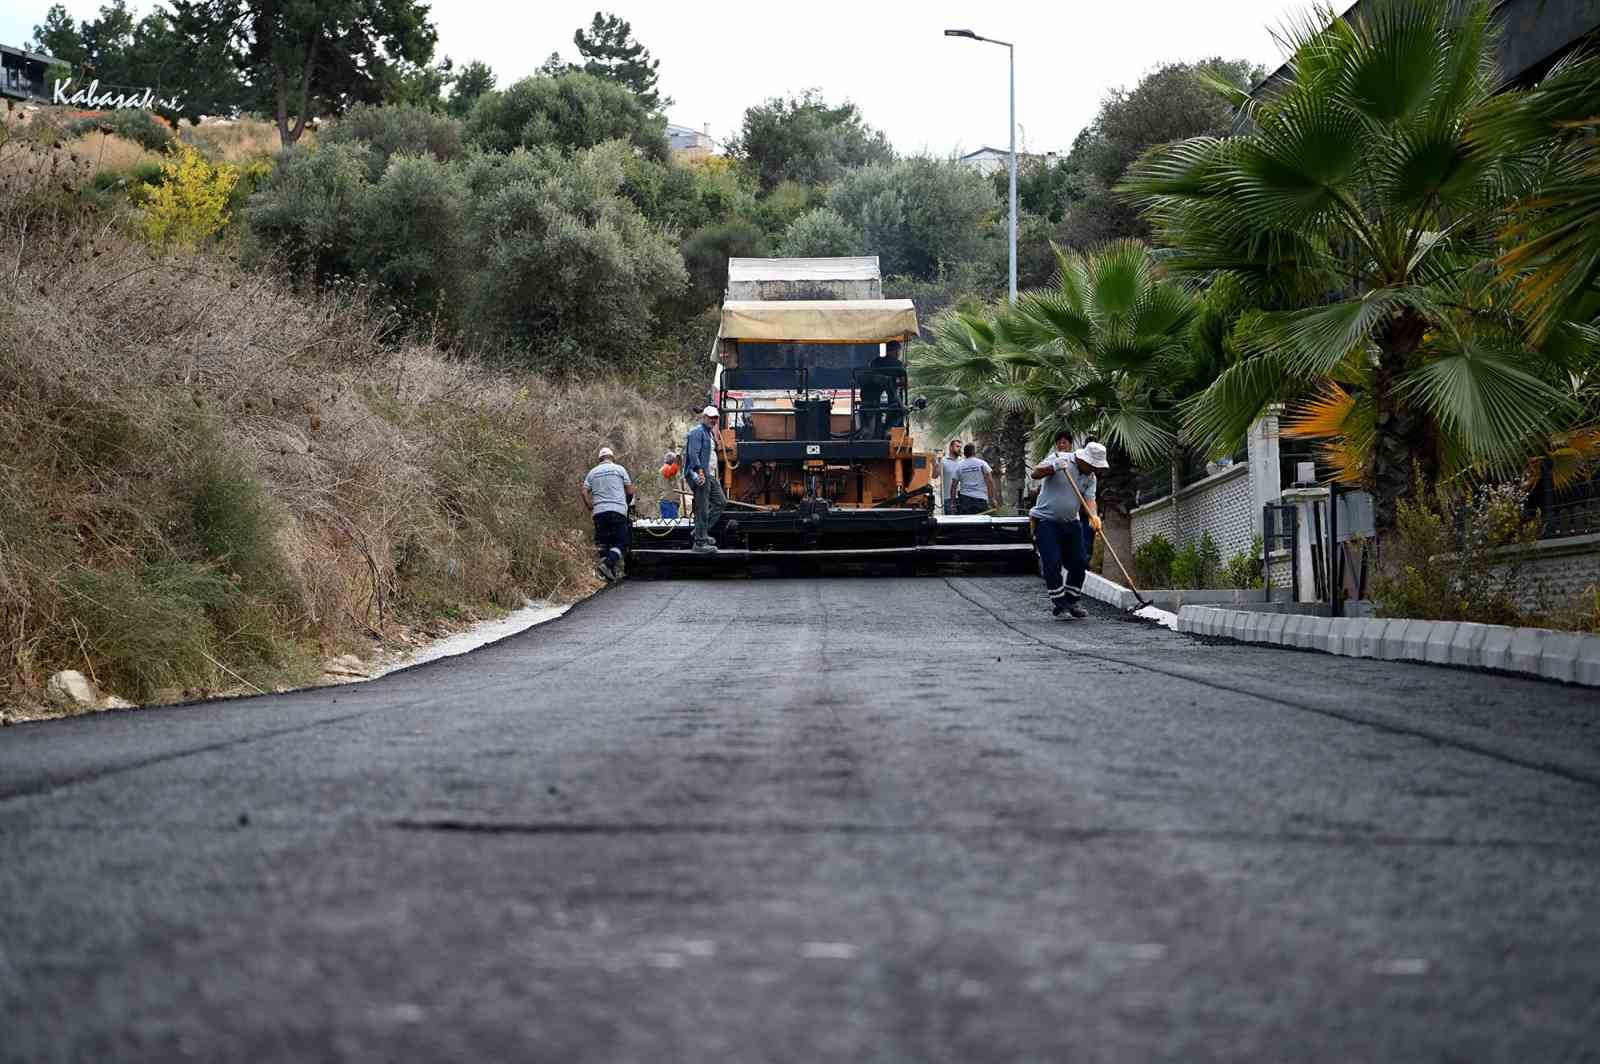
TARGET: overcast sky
(929,93)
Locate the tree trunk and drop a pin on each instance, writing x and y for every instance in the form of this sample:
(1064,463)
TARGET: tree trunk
(1013,454)
(288,135)
(1402,449)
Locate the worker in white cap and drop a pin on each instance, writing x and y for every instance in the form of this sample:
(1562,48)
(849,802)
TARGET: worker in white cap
(1057,535)
(700,468)
(608,492)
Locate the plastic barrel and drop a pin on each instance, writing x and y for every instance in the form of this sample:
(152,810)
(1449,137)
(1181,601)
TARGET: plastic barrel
(669,510)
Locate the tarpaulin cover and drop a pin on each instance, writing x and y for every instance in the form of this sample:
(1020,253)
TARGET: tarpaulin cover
(868,321)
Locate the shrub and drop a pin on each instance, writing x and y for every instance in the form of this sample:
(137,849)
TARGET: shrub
(308,208)
(568,268)
(1186,568)
(1153,561)
(147,628)
(234,521)
(568,112)
(411,225)
(190,205)
(139,126)
(918,214)
(1244,570)
(136,179)
(821,232)
(399,129)
(1456,556)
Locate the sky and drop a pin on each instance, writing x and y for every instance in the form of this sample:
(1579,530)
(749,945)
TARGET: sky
(929,93)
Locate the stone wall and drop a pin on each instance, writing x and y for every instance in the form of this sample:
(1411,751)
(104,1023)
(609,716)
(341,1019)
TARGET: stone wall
(1221,504)
(1559,571)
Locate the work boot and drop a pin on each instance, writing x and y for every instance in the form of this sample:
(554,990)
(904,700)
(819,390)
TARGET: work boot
(604,570)
(1077,611)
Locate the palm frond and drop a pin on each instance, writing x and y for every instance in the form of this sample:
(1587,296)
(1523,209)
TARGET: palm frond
(1483,399)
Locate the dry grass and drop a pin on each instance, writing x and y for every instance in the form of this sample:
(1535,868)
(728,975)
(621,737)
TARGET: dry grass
(204,479)
(238,141)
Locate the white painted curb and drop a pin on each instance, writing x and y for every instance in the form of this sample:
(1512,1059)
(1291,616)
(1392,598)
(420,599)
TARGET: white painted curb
(1572,657)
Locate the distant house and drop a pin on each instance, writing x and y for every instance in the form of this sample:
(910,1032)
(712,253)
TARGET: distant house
(24,75)
(687,143)
(987,160)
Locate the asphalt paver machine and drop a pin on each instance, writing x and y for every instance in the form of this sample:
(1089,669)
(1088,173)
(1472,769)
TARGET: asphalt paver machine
(815,449)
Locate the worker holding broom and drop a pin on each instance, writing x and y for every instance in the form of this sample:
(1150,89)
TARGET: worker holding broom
(1068,486)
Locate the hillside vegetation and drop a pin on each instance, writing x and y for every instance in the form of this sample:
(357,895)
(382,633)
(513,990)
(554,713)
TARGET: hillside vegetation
(209,483)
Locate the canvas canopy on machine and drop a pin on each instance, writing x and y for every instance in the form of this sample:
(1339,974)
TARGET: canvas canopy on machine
(819,321)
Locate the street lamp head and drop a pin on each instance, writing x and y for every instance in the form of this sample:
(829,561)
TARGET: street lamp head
(961,33)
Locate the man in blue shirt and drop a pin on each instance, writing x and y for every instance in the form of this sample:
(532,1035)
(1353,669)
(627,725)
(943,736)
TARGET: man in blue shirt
(1057,534)
(607,491)
(700,468)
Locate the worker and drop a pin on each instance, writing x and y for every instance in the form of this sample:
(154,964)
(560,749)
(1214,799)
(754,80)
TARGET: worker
(881,384)
(608,492)
(700,466)
(1057,534)
(946,474)
(673,493)
(975,492)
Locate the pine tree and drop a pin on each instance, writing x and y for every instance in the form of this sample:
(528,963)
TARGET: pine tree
(609,51)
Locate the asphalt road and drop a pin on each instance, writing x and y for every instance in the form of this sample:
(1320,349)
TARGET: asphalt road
(878,820)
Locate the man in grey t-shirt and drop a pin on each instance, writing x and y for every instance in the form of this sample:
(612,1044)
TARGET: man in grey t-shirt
(974,483)
(1066,474)
(607,491)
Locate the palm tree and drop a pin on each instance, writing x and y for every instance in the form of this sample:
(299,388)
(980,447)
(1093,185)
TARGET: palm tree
(1360,206)
(975,382)
(1554,234)
(1100,353)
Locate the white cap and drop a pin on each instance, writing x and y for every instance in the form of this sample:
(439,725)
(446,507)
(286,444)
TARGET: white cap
(710,411)
(1094,454)
(606,452)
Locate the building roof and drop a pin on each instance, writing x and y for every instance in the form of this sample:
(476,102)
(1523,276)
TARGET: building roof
(37,57)
(858,321)
(986,150)
(837,268)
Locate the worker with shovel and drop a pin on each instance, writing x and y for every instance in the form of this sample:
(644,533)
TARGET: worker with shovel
(1068,485)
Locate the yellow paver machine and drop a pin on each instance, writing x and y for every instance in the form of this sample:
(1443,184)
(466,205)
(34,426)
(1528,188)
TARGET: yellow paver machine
(815,450)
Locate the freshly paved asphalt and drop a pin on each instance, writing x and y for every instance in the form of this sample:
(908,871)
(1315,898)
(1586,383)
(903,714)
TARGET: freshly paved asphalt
(880,820)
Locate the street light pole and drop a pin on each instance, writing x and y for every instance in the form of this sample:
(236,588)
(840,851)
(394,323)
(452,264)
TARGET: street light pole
(1012,52)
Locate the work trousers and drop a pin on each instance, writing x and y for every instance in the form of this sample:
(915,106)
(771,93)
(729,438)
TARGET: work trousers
(709,502)
(1060,544)
(611,536)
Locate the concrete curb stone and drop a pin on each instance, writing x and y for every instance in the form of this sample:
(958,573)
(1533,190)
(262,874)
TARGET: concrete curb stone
(1586,666)
(1465,643)
(1414,640)
(1569,657)
(1439,637)
(1372,632)
(1559,659)
(1527,644)
(1495,651)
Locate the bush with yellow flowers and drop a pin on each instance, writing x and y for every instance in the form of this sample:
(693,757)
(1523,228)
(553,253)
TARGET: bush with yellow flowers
(190,205)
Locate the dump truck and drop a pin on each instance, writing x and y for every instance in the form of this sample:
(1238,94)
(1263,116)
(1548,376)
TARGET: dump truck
(816,452)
